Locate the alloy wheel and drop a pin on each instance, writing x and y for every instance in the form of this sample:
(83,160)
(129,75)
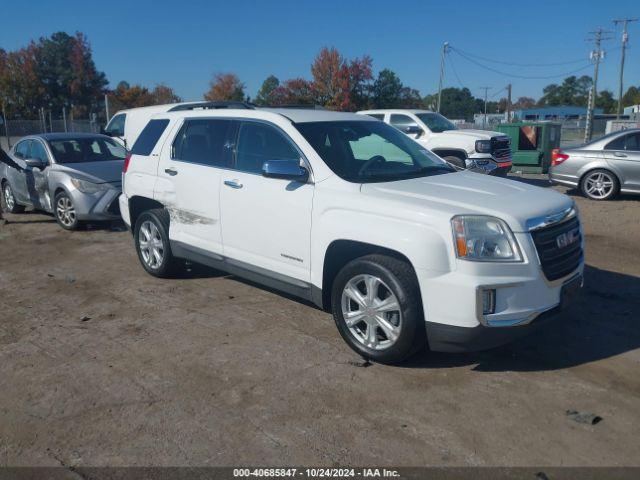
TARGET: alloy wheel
(151,245)
(371,311)
(8,197)
(599,185)
(65,211)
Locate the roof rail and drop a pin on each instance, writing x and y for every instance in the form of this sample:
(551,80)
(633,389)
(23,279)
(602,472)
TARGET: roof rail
(212,106)
(298,106)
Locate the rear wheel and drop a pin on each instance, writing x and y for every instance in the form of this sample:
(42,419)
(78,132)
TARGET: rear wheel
(151,236)
(9,200)
(600,185)
(377,309)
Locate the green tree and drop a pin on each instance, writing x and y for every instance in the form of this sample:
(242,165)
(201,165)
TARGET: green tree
(606,101)
(386,90)
(264,96)
(458,103)
(631,97)
(573,91)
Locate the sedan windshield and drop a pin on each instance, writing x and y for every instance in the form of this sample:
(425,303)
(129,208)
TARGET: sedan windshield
(89,149)
(366,151)
(436,122)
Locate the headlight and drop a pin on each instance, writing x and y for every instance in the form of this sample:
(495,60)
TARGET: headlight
(484,239)
(87,187)
(483,146)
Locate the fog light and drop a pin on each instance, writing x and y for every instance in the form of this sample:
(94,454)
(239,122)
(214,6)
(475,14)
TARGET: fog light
(488,301)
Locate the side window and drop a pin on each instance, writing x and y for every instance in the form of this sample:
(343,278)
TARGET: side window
(402,121)
(22,149)
(207,142)
(258,142)
(116,125)
(379,116)
(38,151)
(149,137)
(625,142)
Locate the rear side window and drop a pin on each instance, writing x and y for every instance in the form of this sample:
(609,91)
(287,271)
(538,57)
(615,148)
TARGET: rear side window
(149,137)
(206,142)
(116,125)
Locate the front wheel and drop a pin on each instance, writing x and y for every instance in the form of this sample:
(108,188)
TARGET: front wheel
(65,212)
(9,200)
(599,185)
(377,309)
(151,236)
(457,162)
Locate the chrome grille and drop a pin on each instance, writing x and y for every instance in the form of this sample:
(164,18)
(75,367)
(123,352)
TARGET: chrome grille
(557,257)
(501,147)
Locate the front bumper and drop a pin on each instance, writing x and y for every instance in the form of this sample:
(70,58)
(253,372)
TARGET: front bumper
(489,165)
(97,206)
(524,299)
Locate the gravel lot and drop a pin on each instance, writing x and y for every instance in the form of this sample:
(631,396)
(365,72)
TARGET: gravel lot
(101,364)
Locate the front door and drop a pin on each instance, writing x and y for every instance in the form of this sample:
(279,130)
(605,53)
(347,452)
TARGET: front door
(266,222)
(190,173)
(624,154)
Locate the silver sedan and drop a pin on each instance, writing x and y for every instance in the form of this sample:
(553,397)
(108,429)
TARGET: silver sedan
(75,176)
(602,168)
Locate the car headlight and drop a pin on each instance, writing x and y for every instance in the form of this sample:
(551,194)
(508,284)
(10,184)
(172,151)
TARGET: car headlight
(87,187)
(484,239)
(483,146)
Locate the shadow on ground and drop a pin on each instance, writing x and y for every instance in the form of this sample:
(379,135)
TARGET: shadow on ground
(603,322)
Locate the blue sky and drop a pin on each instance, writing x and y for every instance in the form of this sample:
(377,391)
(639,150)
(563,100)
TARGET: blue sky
(182,43)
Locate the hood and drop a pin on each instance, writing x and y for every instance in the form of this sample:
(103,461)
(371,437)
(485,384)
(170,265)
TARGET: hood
(109,171)
(465,192)
(477,134)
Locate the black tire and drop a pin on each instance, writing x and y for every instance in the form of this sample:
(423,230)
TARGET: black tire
(399,277)
(608,174)
(169,265)
(457,162)
(67,219)
(8,191)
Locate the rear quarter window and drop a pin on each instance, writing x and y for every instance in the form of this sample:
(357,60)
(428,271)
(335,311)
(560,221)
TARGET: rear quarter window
(149,137)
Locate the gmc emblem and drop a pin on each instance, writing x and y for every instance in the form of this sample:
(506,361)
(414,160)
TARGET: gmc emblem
(565,239)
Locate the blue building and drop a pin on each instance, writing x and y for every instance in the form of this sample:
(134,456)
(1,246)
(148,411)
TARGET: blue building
(554,113)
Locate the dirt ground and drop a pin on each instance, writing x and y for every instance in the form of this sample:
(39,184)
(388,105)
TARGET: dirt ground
(101,364)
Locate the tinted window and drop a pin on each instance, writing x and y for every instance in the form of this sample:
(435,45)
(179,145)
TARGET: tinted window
(116,125)
(22,149)
(90,149)
(436,122)
(366,151)
(149,137)
(379,116)
(402,121)
(625,142)
(38,151)
(208,142)
(259,142)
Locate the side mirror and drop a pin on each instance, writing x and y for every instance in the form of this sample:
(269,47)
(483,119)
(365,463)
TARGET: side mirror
(103,131)
(286,169)
(35,163)
(412,130)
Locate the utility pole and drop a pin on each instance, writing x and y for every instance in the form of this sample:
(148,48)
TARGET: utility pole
(6,126)
(106,107)
(484,119)
(64,117)
(445,49)
(625,39)
(509,103)
(597,54)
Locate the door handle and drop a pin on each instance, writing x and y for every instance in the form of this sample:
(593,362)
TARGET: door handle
(171,171)
(619,154)
(233,183)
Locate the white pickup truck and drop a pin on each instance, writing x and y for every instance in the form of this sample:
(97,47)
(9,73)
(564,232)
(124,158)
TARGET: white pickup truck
(349,213)
(476,150)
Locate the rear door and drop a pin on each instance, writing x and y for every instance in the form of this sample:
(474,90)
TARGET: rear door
(266,222)
(18,177)
(37,179)
(190,172)
(623,154)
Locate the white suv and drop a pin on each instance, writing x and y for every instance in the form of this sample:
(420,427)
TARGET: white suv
(480,151)
(349,213)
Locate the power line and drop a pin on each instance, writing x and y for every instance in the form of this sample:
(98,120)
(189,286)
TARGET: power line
(455,72)
(514,64)
(526,77)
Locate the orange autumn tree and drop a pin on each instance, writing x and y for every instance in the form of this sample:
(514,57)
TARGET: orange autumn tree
(225,87)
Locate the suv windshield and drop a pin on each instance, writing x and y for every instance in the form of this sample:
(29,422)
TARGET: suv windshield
(90,149)
(436,122)
(368,151)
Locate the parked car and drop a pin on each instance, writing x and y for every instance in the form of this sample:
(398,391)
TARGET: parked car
(75,176)
(476,150)
(349,213)
(126,125)
(602,168)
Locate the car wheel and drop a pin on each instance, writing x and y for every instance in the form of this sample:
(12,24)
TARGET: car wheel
(457,162)
(65,212)
(9,200)
(600,185)
(151,236)
(376,306)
